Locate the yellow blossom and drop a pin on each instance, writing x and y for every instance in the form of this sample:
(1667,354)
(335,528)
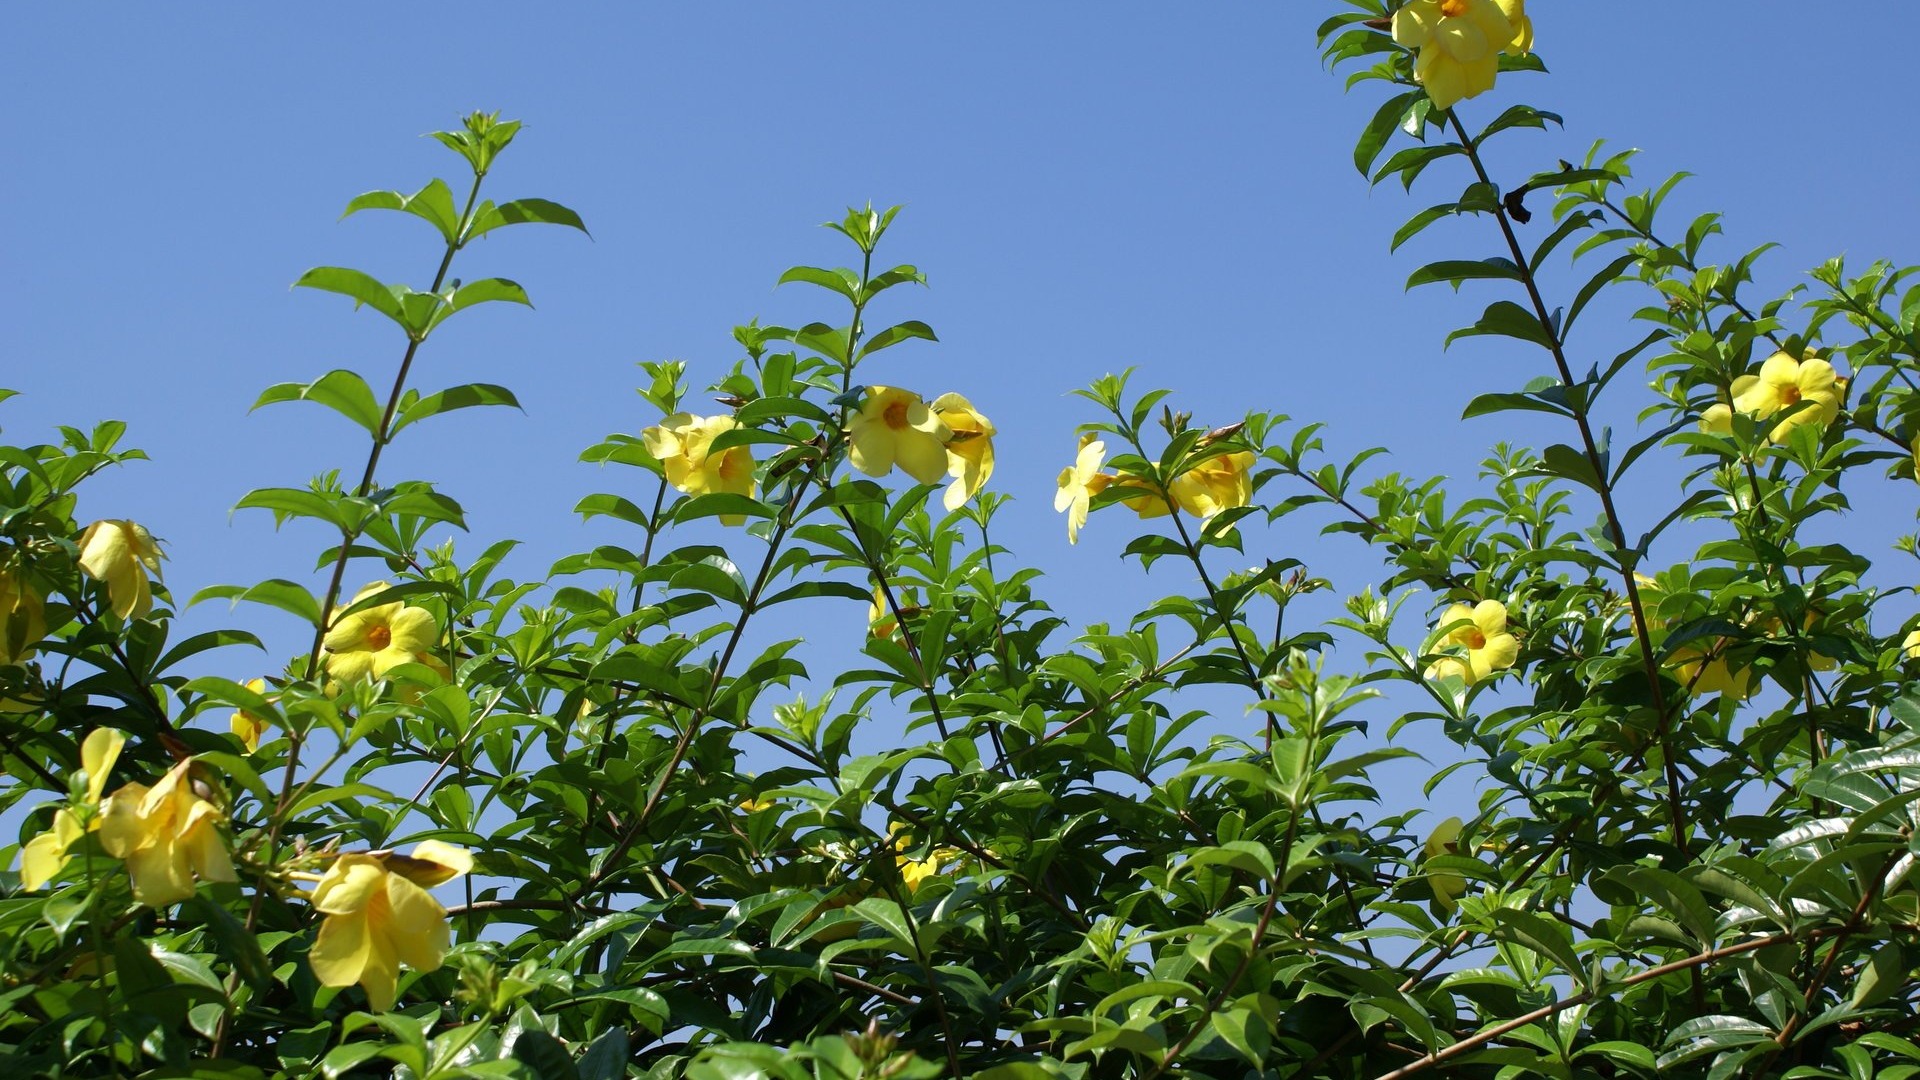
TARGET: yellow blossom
(121,554)
(969,448)
(248,726)
(1219,483)
(380,915)
(1717,419)
(915,871)
(373,641)
(1079,483)
(1911,646)
(1460,42)
(23,619)
(1482,631)
(1783,383)
(167,835)
(684,444)
(895,427)
(880,618)
(1444,840)
(45,855)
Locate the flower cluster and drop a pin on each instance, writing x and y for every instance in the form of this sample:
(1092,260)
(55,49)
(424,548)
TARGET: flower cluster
(1217,483)
(379,915)
(1781,384)
(1478,641)
(1460,42)
(947,437)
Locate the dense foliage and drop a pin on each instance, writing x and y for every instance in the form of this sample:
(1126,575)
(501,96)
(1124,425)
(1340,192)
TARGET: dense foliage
(609,824)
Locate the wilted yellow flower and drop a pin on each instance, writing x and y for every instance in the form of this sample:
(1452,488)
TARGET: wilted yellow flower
(1482,631)
(121,554)
(1784,382)
(373,641)
(248,726)
(1444,840)
(969,448)
(23,619)
(1219,483)
(1079,483)
(1460,42)
(167,835)
(380,915)
(895,427)
(684,444)
(43,856)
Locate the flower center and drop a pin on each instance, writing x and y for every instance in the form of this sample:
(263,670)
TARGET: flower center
(896,415)
(1790,395)
(379,638)
(1476,640)
(1453,9)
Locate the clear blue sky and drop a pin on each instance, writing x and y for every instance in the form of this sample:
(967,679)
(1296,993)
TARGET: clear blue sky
(1087,188)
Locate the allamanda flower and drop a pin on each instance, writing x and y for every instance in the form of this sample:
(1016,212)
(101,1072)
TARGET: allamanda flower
(895,427)
(969,448)
(23,619)
(44,856)
(380,915)
(1460,42)
(1447,887)
(1482,631)
(1783,383)
(373,641)
(248,726)
(1079,483)
(684,444)
(121,554)
(167,835)
(1219,483)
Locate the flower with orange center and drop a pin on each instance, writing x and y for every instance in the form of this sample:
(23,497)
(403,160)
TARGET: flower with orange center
(1481,630)
(373,641)
(1784,383)
(684,444)
(1460,42)
(380,915)
(895,427)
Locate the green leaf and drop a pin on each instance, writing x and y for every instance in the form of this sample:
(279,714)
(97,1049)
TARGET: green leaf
(345,392)
(280,593)
(606,1056)
(1507,319)
(1487,404)
(842,281)
(887,915)
(361,287)
(521,212)
(1386,120)
(543,1054)
(468,396)
(897,333)
(432,204)
(199,643)
(1418,222)
(1455,271)
(1544,936)
(484,291)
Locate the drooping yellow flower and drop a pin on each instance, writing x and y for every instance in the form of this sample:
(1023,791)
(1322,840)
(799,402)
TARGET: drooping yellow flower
(1219,483)
(248,726)
(167,835)
(1079,483)
(1447,887)
(373,641)
(684,444)
(380,915)
(1459,43)
(121,554)
(895,427)
(1482,631)
(23,619)
(45,855)
(1783,383)
(969,448)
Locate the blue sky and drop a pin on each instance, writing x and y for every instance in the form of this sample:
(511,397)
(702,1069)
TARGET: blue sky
(1164,187)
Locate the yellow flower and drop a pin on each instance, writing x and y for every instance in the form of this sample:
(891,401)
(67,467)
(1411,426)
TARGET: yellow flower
(1783,383)
(1717,419)
(1444,840)
(880,620)
(121,554)
(43,856)
(1707,671)
(1482,631)
(684,444)
(914,871)
(248,726)
(373,641)
(895,427)
(1219,483)
(1079,483)
(969,449)
(1460,42)
(23,619)
(1911,646)
(168,836)
(380,915)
